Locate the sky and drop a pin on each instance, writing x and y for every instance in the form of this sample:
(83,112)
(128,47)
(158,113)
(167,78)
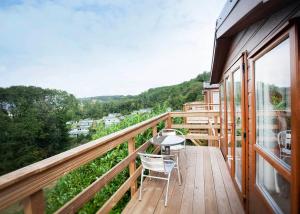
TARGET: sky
(105,47)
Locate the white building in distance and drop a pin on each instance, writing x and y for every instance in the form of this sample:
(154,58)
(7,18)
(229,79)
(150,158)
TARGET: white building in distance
(112,119)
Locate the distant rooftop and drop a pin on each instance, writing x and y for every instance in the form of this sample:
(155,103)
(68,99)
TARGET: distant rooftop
(207,85)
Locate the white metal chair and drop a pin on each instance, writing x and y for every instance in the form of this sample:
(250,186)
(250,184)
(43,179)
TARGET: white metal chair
(176,148)
(157,163)
(284,143)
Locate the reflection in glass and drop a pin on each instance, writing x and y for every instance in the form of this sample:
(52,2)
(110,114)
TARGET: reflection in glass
(273,102)
(216,100)
(274,185)
(229,121)
(238,126)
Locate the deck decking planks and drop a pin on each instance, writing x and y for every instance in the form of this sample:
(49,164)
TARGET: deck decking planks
(198,201)
(221,195)
(231,193)
(209,187)
(187,197)
(177,193)
(173,185)
(206,187)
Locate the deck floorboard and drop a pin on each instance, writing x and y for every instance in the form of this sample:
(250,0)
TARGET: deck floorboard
(206,187)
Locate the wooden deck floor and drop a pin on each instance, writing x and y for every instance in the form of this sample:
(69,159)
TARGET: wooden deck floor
(206,187)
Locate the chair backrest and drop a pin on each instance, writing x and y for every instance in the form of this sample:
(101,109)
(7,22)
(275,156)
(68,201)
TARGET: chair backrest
(152,162)
(284,138)
(167,132)
(170,132)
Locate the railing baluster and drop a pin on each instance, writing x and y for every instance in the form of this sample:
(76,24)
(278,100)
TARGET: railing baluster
(210,132)
(132,166)
(35,203)
(154,130)
(169,122)
(216,130)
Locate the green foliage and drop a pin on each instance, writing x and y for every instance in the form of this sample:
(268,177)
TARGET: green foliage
(33,124)
(173,96)
(70,185)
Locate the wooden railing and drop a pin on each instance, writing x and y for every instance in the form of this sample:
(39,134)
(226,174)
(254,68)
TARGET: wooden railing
(198,126)
(202,117)
(197,106)
(27,184)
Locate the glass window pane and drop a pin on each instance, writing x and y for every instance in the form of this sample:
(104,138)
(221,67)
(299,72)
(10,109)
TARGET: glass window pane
(273,101)
(238,126)
(274,185)
(216,100)
(222,106)
(229,120)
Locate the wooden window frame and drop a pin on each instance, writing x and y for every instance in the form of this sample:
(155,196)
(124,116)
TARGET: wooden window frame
(222,120)
(292,175)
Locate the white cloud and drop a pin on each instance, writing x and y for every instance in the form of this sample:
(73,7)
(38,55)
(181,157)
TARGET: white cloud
(105,47)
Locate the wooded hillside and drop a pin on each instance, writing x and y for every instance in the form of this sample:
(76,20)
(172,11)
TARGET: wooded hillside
(171,96)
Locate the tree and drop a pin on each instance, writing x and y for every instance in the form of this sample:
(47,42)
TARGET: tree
(33,124)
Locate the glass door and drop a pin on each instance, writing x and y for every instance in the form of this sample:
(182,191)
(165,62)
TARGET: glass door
(228,83)
(238,128)
(235,125)
(273,148)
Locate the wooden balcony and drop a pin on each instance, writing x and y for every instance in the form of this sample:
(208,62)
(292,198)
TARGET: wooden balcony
(206,188)
(206,184)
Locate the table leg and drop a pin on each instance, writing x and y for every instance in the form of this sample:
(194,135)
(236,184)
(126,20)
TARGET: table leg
(167,150)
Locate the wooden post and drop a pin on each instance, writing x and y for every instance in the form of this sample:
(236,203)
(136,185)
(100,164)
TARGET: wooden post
(132,166)
(185,110)
(154,133)
(216,130)
(209,134)
(154,130)
(168,124)
(35,204)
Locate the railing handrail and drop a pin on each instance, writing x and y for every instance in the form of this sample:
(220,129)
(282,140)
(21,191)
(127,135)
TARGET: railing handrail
(195,114)
(201,104)
(23,182)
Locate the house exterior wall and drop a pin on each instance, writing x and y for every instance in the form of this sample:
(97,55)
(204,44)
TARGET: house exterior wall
(243,48)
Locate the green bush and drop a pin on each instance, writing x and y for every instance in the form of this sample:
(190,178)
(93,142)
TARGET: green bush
(74,182)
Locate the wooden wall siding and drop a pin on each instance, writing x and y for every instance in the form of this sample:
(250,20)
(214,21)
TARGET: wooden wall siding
(253,37)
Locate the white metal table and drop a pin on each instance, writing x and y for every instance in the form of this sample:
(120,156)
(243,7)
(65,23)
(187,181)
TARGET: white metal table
(167,141)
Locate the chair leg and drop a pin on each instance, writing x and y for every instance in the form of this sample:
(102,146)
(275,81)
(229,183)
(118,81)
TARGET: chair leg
(178,171)
(167,192)
(141,187)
